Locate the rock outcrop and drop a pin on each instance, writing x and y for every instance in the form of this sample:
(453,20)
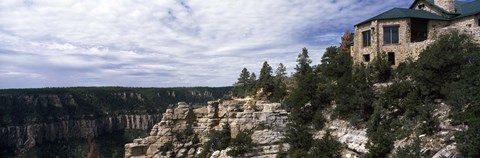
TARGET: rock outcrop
(266,120)
(27,136)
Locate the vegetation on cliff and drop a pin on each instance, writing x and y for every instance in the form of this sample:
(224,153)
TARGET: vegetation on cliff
(393,104)
(27,106)
(22,107)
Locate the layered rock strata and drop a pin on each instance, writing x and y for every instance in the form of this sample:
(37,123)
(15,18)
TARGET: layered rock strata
(266,120)
(26,136)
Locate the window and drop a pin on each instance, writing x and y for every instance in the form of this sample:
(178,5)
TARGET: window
(367,38)
(390,35)
(421,6)
(366,57)
(391,58)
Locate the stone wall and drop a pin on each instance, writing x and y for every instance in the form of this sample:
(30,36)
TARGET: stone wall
(429,8)
(405,48)
(447,5)
(468,25)
(378,44)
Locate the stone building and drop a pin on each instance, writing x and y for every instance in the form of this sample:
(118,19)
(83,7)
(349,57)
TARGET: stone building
(402,33)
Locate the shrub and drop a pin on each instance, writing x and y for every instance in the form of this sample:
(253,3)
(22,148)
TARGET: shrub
(410,151)
(241,144)
(327,147)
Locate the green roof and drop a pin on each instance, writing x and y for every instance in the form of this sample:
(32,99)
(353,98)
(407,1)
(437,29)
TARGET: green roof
(467,8)
(398,13)
(463,9)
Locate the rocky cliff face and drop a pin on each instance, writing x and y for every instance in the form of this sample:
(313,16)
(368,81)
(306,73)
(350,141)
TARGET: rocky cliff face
(266,120)
(27,136)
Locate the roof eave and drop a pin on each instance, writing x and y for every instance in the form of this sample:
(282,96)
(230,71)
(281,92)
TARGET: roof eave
(367,21)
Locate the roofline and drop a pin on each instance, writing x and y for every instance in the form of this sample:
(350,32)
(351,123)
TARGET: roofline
(436,6)
(464,16)
(367,21)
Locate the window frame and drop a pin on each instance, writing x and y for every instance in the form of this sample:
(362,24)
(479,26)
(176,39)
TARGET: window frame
(368,41)
(391,38)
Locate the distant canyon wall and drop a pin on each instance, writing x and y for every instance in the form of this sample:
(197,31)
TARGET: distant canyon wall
(27,136)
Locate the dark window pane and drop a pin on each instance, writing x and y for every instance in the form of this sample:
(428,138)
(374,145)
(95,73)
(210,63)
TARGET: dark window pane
(391,58)
(366,38)
(395,35)
(390,35)
(366,57)
(386,35)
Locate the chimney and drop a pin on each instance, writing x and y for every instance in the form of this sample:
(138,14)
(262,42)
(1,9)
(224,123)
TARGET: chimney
(447,5)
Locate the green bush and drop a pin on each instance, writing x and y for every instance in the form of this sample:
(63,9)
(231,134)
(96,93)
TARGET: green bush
(298,137)
(413,150)
(217,140)
(381,70)
(327,147)
(241,144)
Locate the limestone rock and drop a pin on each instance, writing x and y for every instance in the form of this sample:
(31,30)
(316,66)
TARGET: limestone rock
(266,120)
(30,135)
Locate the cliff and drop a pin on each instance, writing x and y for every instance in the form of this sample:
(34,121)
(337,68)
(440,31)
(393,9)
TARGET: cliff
(36,119)
(267,122)
(28,136)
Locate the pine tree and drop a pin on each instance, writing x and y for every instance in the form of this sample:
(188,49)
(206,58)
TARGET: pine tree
(242,85)
(252,84)
(304,90)
(298,137)
(279,86)
(327,147)
(353,96)
(265,79)
(336,65)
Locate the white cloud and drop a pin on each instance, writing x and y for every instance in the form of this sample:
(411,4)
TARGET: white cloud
(57,46)
(168,42)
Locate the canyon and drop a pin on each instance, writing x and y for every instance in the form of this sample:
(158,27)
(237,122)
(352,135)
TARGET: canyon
(78,122)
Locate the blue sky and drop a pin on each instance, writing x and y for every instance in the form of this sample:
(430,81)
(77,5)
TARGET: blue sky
(165,43)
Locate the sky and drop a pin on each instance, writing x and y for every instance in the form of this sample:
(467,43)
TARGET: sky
(166,43)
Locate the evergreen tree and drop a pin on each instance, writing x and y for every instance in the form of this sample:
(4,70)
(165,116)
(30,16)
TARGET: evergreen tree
(441,62)
(380,69)
(327,147)
(252,84)
(304,90)
(336,65)
(354,96)
(242,85)
(279,86)
(265,79)
(299,139)
(380,139)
